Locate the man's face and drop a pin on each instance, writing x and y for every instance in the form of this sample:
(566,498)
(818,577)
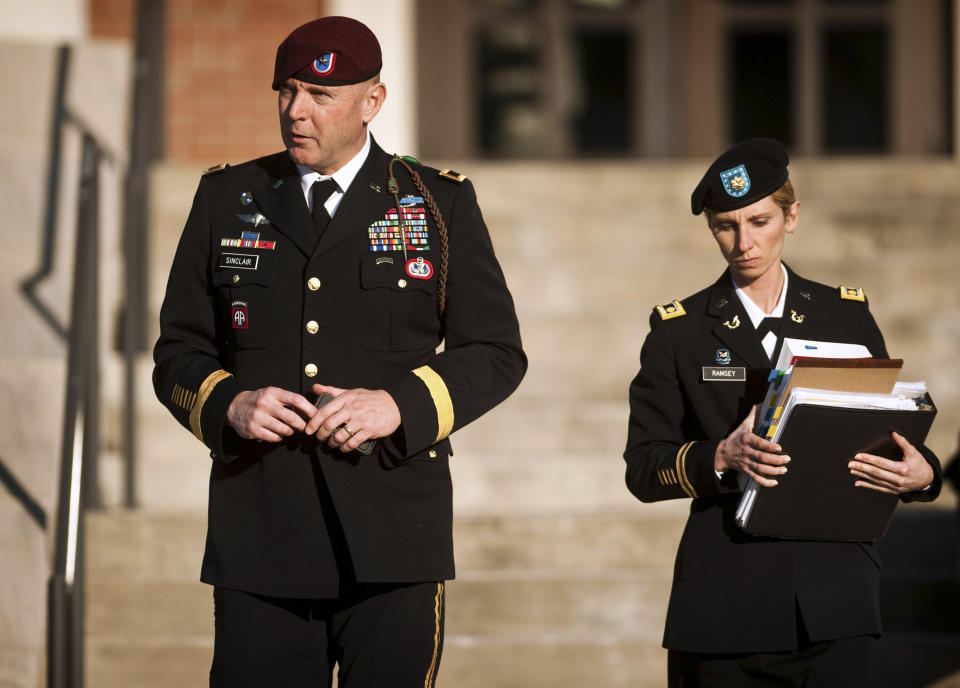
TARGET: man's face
(324,126)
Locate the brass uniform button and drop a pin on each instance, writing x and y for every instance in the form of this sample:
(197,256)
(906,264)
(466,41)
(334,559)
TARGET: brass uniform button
(401,283)
(433,453)
(313,283)
(312,327)
(236,278)
(310,369)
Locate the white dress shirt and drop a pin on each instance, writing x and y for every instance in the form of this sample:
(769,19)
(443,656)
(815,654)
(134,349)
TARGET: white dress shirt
(343,177)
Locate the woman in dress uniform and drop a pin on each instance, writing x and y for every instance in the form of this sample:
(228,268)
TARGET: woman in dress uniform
(745,610)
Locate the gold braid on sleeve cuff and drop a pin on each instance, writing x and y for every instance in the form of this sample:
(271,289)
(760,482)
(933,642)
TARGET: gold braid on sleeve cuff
(685,483)
(213,379)
(441,399)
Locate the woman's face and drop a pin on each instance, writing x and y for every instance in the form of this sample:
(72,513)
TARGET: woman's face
(751,238)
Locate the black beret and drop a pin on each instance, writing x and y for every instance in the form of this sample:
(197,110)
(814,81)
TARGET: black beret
(747,172)
(332,51)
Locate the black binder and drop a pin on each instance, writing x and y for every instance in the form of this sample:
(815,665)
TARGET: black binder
(816,499)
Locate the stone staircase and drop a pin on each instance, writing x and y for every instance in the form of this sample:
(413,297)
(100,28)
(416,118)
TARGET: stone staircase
(540,600)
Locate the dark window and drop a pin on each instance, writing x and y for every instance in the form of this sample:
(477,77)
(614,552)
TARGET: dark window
(603,116)
(761,102)
(855,89)
(603,4)
(855,2)
(510,121)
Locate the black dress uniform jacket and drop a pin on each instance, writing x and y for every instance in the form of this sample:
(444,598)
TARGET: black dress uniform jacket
(733,592)
(269,310)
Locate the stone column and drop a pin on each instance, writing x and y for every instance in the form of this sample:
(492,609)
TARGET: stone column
(393,21)
(54,20)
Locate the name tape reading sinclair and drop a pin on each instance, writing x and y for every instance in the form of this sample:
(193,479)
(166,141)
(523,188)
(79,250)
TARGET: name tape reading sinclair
(724,374)
(240,261)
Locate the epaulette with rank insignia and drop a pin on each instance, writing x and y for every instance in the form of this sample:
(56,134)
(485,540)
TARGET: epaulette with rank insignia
(670,310)
(452,176)
(215,168)
(852,293)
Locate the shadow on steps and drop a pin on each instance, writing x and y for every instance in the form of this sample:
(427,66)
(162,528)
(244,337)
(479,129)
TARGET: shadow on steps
(920,599)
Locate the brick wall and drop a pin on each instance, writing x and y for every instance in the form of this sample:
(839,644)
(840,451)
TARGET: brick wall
(219,65)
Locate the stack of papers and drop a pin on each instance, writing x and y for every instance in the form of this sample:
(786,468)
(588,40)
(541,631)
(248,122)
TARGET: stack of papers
(842,401)
(807,348)
(906,396)
(768,415)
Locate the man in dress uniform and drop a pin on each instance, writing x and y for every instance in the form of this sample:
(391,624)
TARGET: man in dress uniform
(329,274)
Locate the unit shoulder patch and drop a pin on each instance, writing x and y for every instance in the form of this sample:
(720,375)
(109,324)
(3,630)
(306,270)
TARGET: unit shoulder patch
(852,293)
(671,310)
(452,176)
(220,167)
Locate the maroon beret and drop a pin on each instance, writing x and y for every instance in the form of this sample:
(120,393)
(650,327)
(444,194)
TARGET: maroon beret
(332,51)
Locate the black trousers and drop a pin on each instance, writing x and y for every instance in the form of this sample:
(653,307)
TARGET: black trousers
(847,662)
(380,636)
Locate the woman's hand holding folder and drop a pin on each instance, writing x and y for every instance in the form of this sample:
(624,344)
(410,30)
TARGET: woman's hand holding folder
(747,452)
(910,474)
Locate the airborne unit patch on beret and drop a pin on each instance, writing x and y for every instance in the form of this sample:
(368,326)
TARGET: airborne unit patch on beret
(331,51)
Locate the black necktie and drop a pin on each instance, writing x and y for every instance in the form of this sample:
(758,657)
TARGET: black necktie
(319,193)
(768,325)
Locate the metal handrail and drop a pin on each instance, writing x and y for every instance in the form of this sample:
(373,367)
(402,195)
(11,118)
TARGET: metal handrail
(29,285)
(81,439)
(78,480)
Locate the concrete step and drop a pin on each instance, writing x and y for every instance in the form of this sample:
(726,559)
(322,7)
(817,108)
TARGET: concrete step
(549,426)
(556,603)
(140,546)
(644,539)
(528,454)
(522,483)
(538,598)
(548,602)
(503,662)
(181,662)
(551,662)
(148,611)
(144,546)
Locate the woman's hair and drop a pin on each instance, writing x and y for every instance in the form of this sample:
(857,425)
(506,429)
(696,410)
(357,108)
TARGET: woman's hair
(784,197)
